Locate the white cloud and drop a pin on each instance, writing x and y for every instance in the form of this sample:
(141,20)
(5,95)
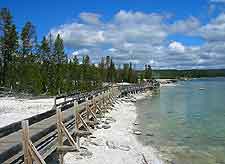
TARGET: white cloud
(217,1)
(215,30)
(81,52)
(112,50)
(90,18)
(177,47)
(185,26)
(76,34)
(143,38)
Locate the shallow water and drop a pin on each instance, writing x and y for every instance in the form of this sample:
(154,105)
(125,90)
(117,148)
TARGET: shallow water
(186,124)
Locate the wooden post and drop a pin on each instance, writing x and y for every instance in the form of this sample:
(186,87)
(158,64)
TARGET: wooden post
(25,138)
(87,109)
(76,108)
(104,103)
(83,122)
(79,133)
(55,102)
(30,152)
(94,105)
(61,132)
(103,100)
(60,135)
(112,91)
(92,110)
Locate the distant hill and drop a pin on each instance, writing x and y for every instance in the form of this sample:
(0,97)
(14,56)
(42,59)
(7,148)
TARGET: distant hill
(195,73)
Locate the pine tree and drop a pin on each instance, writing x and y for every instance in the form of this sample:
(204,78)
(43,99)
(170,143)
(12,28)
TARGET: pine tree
(59,54)
(130,73)
(46,67)
(112,70)
(27,57)
(45,51)
(9,41)
(51,48)
(59,60)
(11,70)
(29,40)
(86,60)
(102,69)
(148,72)
(125,72)
(107,65)
(75,60)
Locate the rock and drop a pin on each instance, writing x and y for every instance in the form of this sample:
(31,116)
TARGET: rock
(92,137)
(137,132)
(99,126)
(85,142)
(106,126)
(133,100)
(187,137)
(107,122)
(111,119)
(86,153)
(97,123)
(135,123)
(78,157)
(150,134)
(124,147)
(111,145)
(94,143)
(97,142)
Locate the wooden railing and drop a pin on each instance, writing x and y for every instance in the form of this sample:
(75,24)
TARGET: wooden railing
(37,137)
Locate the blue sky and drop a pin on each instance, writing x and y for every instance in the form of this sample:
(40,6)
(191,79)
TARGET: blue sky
(179,34)
(45,14)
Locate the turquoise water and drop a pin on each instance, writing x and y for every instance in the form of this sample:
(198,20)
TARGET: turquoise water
(186,124)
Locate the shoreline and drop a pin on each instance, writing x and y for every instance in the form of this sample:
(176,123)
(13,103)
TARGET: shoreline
(117,144)
(13,109)
(167,82)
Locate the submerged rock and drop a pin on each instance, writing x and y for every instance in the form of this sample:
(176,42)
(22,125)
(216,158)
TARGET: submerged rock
(99,126)
(107,122)
(105,126)
(187,137)
(137,132)
(110,120)
(124,147)
(111,145)
(133,100)
(150,134)
(86,153)
(136,123)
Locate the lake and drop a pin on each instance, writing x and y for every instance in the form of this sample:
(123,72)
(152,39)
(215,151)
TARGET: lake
(185,123)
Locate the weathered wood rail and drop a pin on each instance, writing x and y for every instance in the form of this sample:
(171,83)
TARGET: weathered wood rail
(35,138)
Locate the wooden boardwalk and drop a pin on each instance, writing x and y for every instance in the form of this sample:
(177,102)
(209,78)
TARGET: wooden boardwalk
(39,136)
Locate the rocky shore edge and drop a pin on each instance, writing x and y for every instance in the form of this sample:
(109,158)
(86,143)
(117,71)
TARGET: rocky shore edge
(114,139)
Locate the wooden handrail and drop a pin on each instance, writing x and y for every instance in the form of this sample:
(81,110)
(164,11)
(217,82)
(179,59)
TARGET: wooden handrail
(41,137)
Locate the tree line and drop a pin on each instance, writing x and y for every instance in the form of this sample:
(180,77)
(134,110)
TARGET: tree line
(45,69)
(194,73)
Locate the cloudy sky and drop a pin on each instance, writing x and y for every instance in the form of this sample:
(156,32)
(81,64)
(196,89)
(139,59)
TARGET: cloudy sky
(164,33)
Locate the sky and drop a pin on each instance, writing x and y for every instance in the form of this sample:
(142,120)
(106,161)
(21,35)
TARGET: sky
(174,34)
